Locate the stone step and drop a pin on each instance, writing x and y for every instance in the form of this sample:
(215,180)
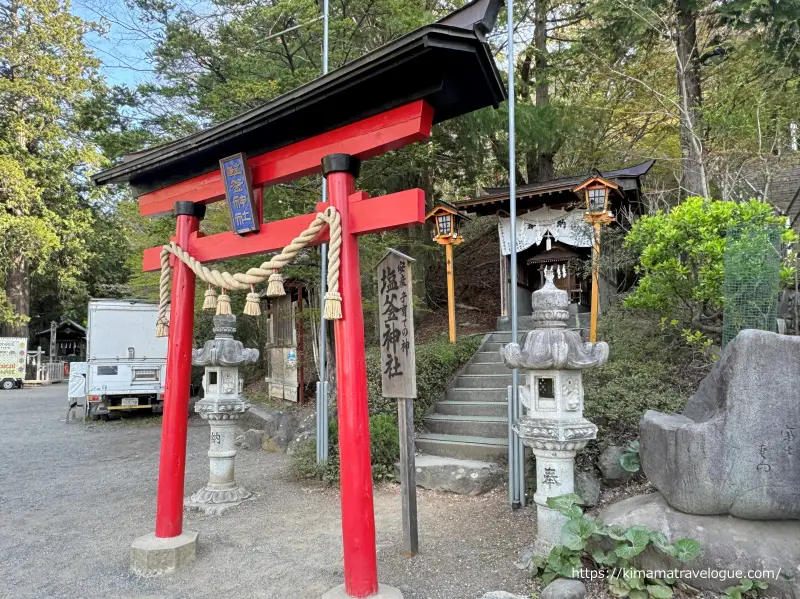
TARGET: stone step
(463,447)
(491,346)
(484,394)
(473,426)
(465,477)
(501,337)
(473,408)
(486,357)
(487,368)
(483,381)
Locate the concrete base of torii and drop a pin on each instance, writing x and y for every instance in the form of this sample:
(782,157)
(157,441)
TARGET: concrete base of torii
(384,592)
(154,556)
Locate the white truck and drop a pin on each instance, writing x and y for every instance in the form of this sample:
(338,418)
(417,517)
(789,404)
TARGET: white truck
(13,356)
(126,362)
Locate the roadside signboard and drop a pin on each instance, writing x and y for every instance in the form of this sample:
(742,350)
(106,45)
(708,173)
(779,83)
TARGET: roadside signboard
(13,351)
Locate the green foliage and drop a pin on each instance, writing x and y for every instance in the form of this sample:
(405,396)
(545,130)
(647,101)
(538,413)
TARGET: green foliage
(384,446)
(303,462)
(630,460)
(437,362)
(611,549)
(648,369)
(48,211)
(681,257)
(384,450)
(746,589)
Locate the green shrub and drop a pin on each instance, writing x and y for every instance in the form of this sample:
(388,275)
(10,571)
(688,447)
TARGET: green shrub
(681,257)
(303,462)
(384,450)
(437,362)
(384,446)
(648,369)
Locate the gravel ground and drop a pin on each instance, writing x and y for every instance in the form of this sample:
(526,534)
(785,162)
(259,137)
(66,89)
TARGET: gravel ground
(73,497)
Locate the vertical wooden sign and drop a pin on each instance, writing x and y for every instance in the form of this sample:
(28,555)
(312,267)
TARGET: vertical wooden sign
(399,375)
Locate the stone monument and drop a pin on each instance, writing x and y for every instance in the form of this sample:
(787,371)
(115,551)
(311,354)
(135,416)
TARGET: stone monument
(728,470)
(735,449)
(553,425)
(222,405)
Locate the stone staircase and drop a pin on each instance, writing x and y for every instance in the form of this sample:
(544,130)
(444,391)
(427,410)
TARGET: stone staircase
(470,422)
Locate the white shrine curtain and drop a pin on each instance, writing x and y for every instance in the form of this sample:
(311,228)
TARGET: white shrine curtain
(566,227)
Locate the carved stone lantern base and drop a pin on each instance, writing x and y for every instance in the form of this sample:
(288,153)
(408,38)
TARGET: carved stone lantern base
(221,492)
(555,475)
(213,501)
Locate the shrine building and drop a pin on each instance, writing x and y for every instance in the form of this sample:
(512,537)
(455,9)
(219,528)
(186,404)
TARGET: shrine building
(552,231)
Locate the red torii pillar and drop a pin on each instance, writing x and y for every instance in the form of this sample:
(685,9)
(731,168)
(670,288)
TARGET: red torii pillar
(359,215)
(355,465)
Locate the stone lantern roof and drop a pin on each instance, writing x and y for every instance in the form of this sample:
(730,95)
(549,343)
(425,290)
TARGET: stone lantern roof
(223,349)
(551,345)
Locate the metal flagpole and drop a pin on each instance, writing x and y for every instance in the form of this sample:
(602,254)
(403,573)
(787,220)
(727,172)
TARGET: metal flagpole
(516,469)
(322,395)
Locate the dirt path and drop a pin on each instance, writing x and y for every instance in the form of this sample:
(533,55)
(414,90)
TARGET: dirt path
(73,497)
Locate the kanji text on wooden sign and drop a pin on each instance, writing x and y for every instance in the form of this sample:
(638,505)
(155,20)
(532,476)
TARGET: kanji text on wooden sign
(239,193)
(396,320)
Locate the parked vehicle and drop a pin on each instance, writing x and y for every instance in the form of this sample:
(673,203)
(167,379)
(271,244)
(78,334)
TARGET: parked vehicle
(126,361)
(13,353)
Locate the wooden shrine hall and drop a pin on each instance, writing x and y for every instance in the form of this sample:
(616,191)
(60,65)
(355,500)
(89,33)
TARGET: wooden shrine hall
(552,232)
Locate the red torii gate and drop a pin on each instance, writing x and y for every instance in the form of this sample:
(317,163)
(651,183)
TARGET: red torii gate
(360,215)
(380,102)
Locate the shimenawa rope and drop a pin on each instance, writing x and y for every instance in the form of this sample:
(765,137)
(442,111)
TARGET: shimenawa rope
(267,270)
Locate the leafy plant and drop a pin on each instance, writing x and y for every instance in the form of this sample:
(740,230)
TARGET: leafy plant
(746,588)
(681,257)
(629,460)
(648,369)
(610,548)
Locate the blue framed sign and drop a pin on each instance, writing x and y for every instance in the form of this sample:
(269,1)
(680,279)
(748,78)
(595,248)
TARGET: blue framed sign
(239,193)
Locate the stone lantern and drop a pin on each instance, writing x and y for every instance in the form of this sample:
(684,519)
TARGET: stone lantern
(553,425)
(222,405)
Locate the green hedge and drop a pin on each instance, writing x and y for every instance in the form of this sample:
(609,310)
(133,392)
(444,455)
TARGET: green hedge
(437,362)
(648,369)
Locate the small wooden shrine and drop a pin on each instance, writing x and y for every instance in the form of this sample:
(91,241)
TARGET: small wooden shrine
(552,232)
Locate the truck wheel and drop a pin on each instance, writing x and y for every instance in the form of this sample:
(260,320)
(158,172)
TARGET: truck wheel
(8,384)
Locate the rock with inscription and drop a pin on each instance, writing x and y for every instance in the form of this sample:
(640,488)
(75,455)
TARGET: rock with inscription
(613,473)
(730,547)
(736,447)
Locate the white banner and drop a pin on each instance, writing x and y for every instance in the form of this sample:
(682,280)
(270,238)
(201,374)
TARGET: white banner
(567,227)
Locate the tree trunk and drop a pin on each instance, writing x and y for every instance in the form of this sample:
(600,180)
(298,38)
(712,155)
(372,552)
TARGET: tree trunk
(544,167)
(17,287)
(693,173)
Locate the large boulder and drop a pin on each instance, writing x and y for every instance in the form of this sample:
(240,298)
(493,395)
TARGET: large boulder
(736,447)
(731,548)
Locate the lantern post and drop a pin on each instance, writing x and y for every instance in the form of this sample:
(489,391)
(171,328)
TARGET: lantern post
(595,193)
(447,222)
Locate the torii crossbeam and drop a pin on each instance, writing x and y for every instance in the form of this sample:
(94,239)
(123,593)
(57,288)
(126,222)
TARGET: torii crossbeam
(382,101)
